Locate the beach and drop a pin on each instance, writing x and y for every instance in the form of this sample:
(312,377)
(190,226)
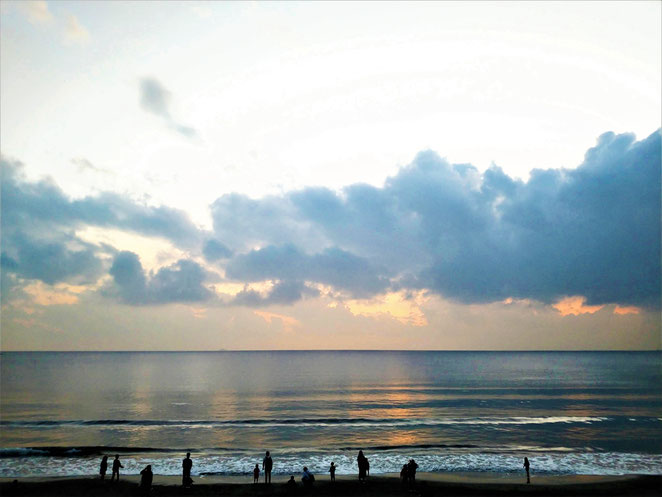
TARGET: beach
(427,484)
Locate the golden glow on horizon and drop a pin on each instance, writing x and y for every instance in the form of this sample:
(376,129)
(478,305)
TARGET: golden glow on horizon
(621,311)
(396,305)
(575,306)
(230,289)
(61,294)
(198,312)
(289,323)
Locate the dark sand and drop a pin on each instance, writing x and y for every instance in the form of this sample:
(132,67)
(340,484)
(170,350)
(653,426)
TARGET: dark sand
(427,484)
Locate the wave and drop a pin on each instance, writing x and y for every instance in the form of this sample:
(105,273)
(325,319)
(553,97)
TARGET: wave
(86,451)
(521,420)
(432,460)
(78,451)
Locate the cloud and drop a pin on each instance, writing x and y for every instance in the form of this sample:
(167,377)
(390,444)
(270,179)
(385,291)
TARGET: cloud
(282,293)
(41,208)
(332,266)
(155,98)
(179,282)
(74,31)
(575,306)
(404,307)
(51,261)
(39,224)
(36,11)
(289,323)
(86,165)
(244,223)
(214,250)
(578,238)
(591,232)
(69,27)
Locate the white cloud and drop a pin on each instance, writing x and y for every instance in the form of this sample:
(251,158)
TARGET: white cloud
(36,11)
(74,31)
(69,27)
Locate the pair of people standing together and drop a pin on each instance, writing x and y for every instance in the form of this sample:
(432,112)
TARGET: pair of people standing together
(116,467)
(267,464)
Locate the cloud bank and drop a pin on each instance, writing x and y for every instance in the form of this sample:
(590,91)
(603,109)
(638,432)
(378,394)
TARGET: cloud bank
(447,229)
(592,231)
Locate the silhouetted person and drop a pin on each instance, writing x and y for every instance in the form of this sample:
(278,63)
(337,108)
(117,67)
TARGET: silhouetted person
(526,467)
(187,464)
(404,474)
(256,473)
(291,485)
(411,471)
(367,466)
(332,470)
(146,477)
(267,464)
(116,468)
(307,478)
(362,462)
(104,467)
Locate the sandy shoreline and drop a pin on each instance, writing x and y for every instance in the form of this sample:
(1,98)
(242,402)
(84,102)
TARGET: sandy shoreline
(446,484)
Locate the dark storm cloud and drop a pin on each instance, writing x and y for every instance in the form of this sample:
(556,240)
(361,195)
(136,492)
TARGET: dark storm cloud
(472,237)
(155,98)
(179,282)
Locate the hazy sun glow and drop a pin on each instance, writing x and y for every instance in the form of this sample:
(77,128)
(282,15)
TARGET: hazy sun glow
(397,305)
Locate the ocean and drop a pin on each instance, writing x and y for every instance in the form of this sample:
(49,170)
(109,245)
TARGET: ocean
(568,412)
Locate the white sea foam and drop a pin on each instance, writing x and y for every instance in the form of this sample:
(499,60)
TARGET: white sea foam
(607,463)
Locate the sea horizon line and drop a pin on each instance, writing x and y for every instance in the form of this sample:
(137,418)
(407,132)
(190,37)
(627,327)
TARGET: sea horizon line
(334,350)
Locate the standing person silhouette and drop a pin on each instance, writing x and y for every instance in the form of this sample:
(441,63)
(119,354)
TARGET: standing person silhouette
(116,468)
(104,467)
(332,470)
(187,464)
(526,467)
(256,474)
(411,471)
(146,477)
(267,464)
(362,462)
(404,474)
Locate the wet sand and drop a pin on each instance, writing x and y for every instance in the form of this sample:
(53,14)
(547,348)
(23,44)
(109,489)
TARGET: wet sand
(427,484)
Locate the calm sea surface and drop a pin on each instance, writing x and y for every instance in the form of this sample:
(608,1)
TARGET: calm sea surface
(568,412)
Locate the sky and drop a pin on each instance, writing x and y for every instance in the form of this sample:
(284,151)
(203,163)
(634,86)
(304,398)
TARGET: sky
(330,175)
